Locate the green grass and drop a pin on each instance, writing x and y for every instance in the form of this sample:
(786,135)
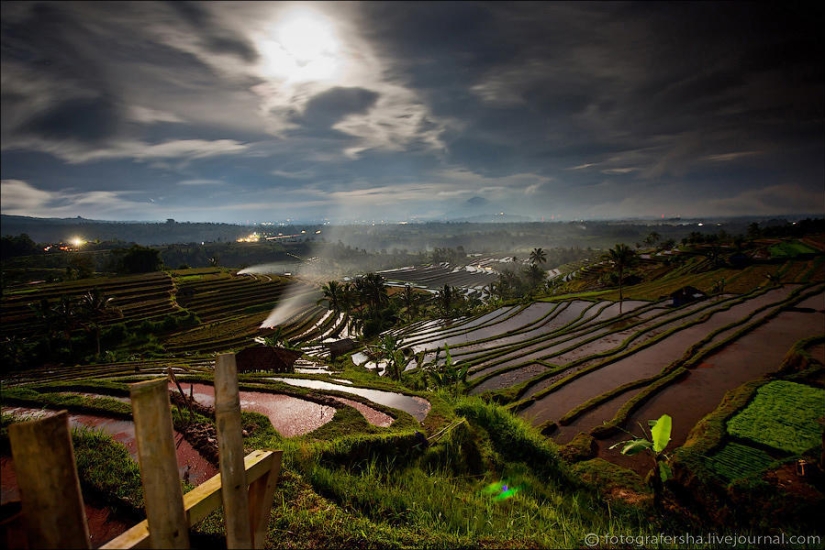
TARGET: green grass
(783,415)
(735,461)
(106,469)
(790,249)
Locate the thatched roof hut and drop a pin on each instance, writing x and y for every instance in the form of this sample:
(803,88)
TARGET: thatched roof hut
(267,359)
(339,347)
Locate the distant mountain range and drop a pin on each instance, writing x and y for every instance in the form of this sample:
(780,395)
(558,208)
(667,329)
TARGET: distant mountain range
(54,230)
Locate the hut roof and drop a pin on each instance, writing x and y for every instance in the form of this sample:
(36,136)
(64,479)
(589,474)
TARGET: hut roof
(266,358)
(340,346)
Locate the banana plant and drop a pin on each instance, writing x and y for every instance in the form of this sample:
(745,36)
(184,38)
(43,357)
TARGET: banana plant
(655,444)
(450,375)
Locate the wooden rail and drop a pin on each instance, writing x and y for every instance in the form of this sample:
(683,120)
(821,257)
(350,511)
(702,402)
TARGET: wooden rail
(52,504)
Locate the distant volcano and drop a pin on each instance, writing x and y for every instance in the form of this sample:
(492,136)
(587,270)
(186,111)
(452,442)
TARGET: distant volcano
(476,202)
(480,210)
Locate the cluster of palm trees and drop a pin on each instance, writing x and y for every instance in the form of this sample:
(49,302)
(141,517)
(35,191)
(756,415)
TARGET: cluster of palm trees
(365,301)
(367,304)
(60,319)
(515,284)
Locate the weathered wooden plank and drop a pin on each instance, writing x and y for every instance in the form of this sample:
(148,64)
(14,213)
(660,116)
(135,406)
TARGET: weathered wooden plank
(261,494)
(235,491)
(52,503)
(163,496)
(203,499)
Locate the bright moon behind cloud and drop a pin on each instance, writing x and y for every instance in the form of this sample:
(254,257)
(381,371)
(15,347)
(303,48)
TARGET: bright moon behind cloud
(301,46)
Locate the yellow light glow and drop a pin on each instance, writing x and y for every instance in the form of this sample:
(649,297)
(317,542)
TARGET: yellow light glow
(77,241)
(251,238)
(301,47)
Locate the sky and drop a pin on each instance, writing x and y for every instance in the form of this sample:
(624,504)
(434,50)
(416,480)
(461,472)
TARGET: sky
(401,111)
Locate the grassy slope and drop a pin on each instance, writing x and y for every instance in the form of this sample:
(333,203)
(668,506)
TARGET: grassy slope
(351,485)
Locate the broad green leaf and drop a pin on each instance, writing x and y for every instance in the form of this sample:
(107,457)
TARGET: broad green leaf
(664,471)
(660,433)
(636,446)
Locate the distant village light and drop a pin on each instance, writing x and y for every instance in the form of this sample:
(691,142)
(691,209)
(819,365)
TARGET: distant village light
(251,238)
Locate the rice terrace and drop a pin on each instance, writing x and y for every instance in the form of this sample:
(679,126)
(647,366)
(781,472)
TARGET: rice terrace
(446,398)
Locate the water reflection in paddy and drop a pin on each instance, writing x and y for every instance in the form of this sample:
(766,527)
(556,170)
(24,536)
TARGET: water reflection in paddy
(290,416)
(123,431)
(416,406)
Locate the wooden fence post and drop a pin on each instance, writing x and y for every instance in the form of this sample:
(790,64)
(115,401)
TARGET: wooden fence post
(44,463)
(168,526)
(261,495)
(235,492)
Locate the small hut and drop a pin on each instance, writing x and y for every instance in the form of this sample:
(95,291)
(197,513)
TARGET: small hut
(267,359)
(686,295)
(340,347)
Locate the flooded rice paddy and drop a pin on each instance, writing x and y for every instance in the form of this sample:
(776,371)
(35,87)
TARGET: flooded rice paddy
(418,407)
(644,363)
(290,416)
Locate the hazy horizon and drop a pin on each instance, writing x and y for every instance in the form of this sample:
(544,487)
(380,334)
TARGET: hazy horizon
(250,112)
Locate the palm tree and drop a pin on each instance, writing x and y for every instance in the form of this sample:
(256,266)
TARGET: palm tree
(65,318)
(373,292)
(333,291)
(445,298)
(652,238)
(347,300)
(410,300)
(538,256)
(95,308)
(621,257)
(536,275)
(507,284)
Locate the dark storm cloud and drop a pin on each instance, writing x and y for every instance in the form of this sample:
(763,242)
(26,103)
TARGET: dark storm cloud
(581,108)
(55,87)
(610,73)
(328,107)
(91,120)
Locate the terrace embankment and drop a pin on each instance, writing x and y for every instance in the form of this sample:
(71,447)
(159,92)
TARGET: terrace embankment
(749,357)
(644,363)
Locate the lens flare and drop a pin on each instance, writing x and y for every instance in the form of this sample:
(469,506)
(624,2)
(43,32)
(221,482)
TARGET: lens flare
(500,491)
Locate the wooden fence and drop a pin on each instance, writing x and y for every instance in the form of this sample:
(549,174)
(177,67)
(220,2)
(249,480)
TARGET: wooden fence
(52,505)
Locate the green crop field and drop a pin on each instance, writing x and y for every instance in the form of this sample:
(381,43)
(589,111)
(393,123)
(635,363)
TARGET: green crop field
(790,249)
(783,415)
(735,461)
